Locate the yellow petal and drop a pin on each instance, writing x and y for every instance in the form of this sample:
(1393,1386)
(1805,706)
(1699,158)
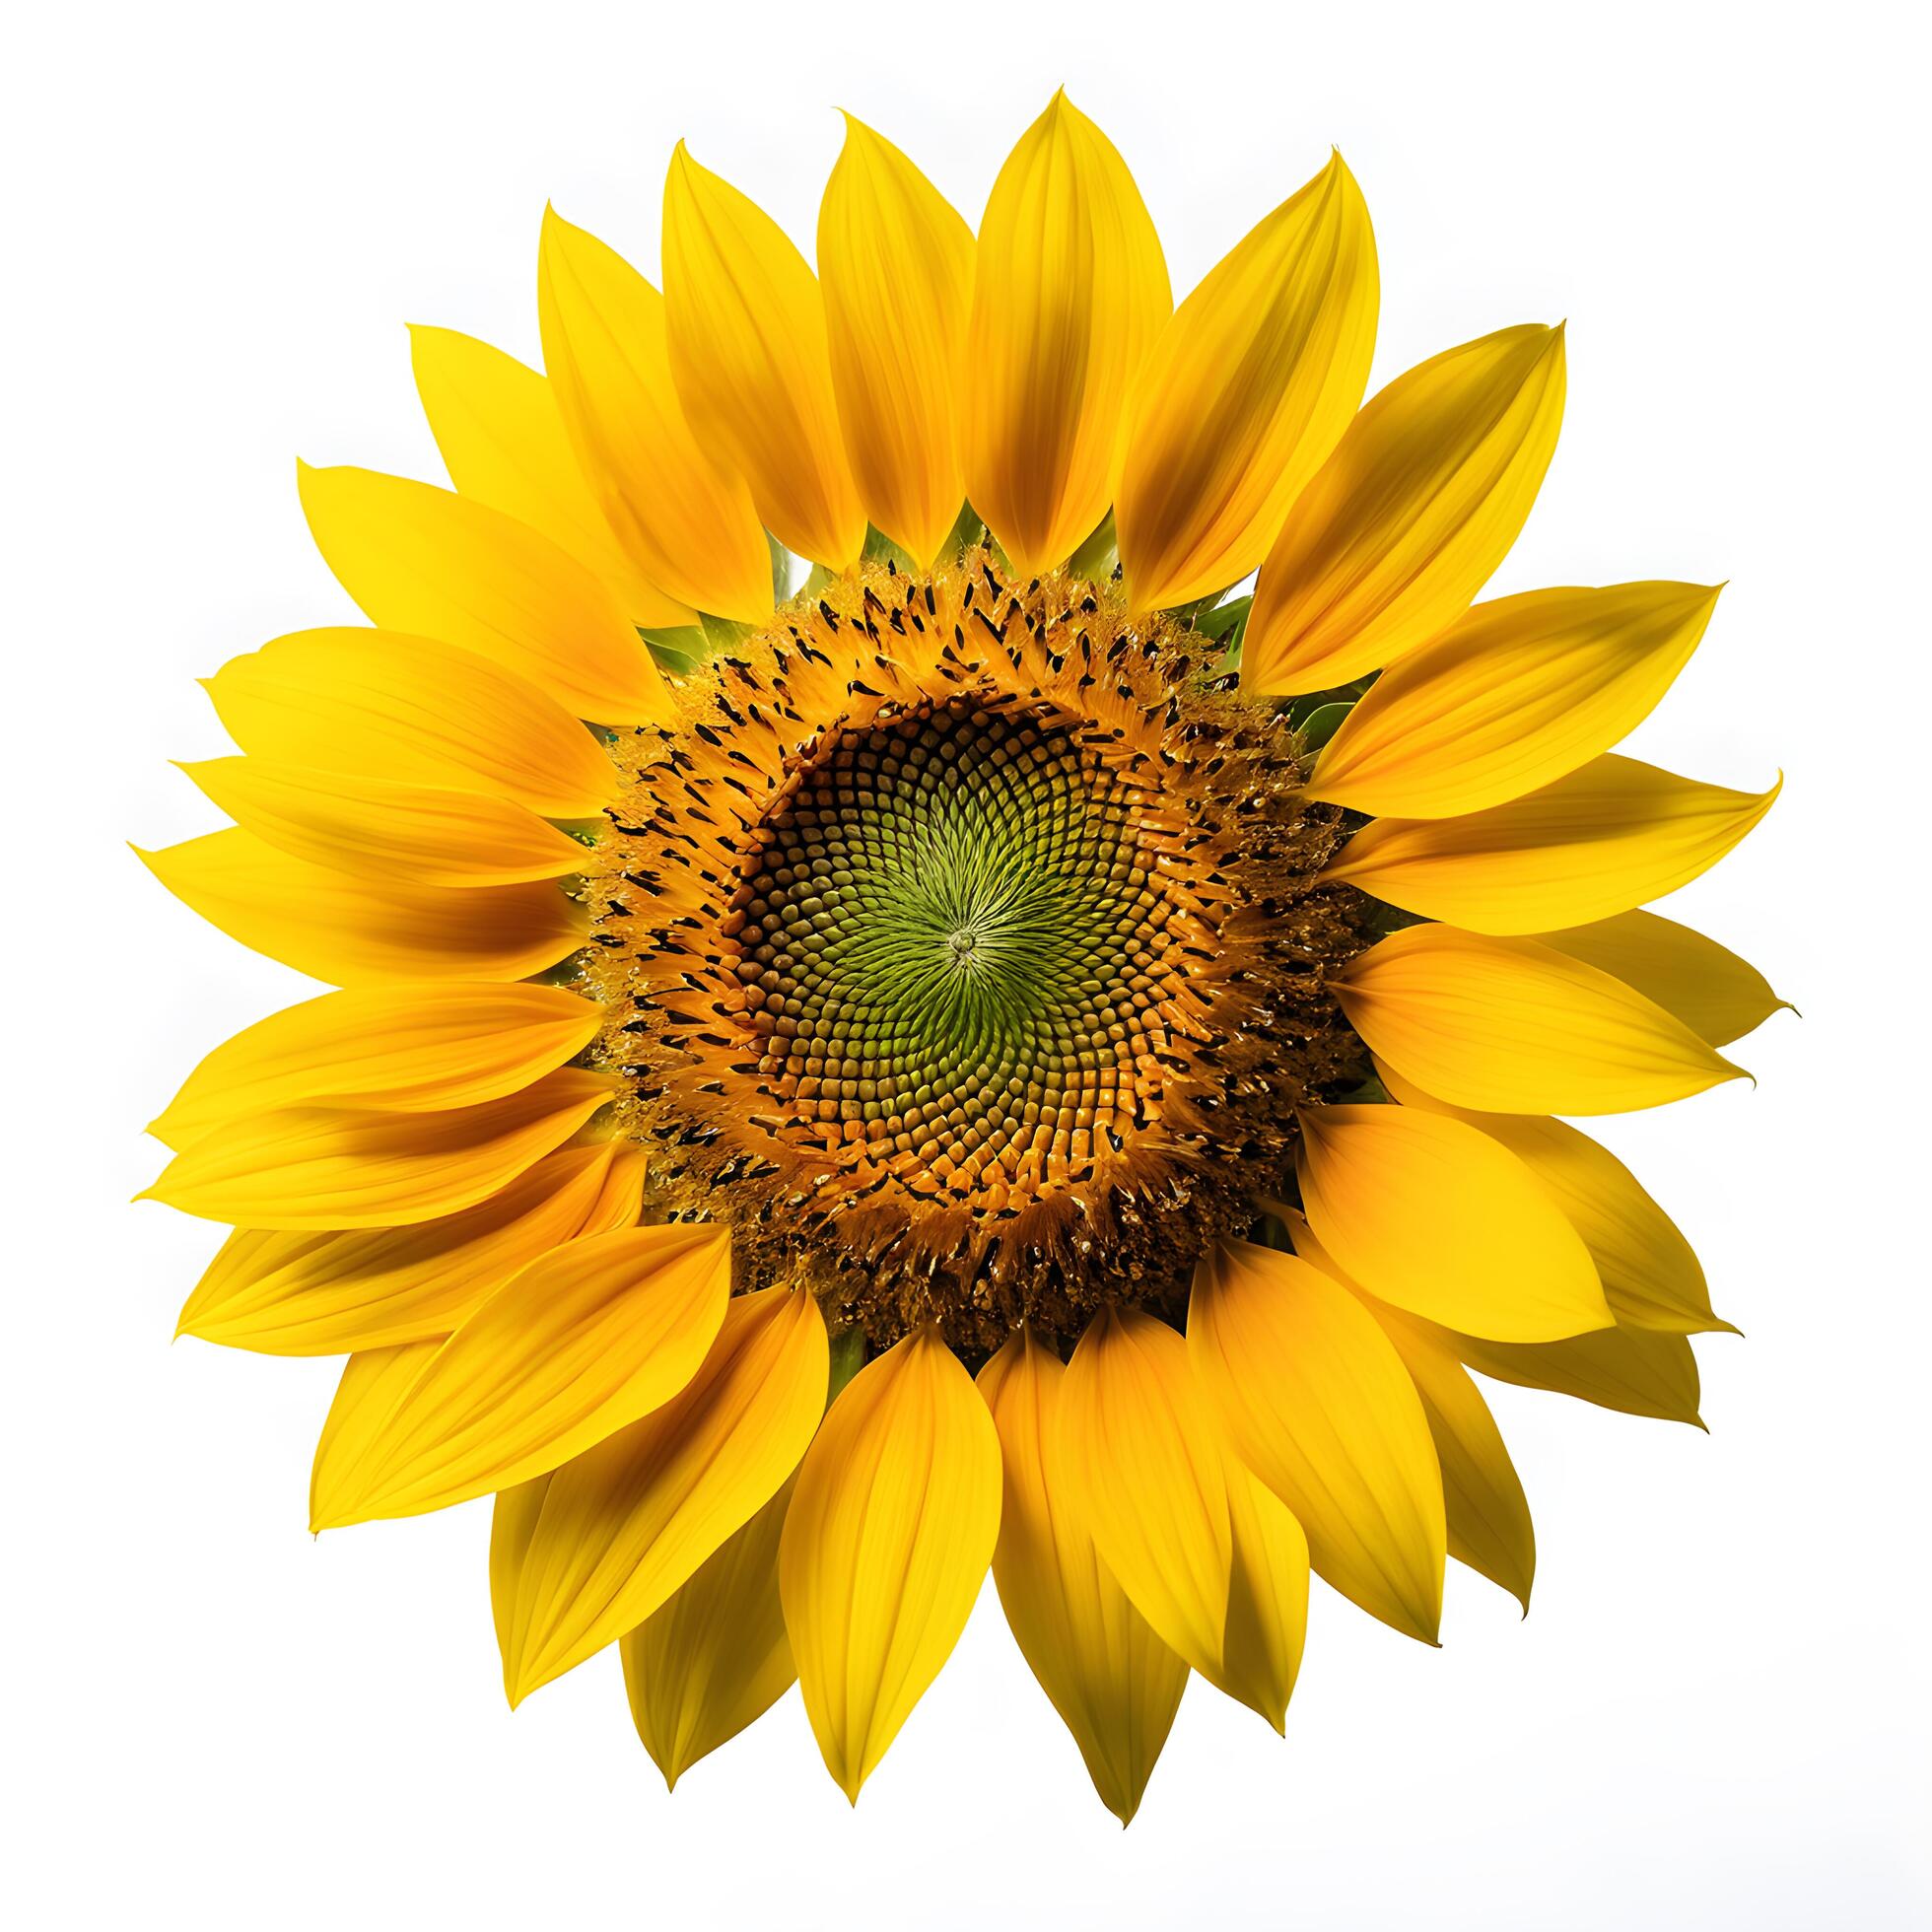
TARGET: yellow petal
(1509,1026)
(1439,1220)
(372,1383)
(1115,1684)
(576,1346)
(1144,1467)
(716,1658)
(502,438)
(318,1294)
(416,558)
(1405,522)
(1246,392)
(748,349)
(1489,1516)
(1317,1404)
(513,1523)
(376,828)
(1267,1598)
(341,1167)
(1592,845)
(896,262)
(415,1047)
(1635,1371)
(1719,997)
(630,1521)
(1070,291)
(1515,695)
(1651,1278)
(352,930)
(382,705)
(687,522)
(886,1543)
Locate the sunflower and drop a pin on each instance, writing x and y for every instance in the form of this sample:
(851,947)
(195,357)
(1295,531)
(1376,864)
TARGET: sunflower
(1003,1052)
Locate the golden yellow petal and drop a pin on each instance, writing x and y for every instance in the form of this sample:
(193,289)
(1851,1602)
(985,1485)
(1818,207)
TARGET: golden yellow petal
(896,264)
(376,828)
(1246,392)
(414,1048)
(885,1545)
(1719,997)
(1651,1278)
(685,518)
(576,1346)
(716,1658)
(1143,1466)
(373,1382)
(1267,1598)
(1597,842)
(513,1523)
(358,932)
(1407,519)
(1115,1684)
(503,441)
(1635,1371)
(324,1167)
(1511,1026)
(1317,1404)
(318,1294)
(1515,695)
(382,705)
(1439,1220)
(1071,293)
(630,1521)
(416,558)
(1489,1516)
(748,349)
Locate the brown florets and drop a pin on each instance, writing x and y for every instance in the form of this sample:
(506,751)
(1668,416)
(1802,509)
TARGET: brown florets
(966,949)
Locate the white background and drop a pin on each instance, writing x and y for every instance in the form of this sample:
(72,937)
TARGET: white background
(220,220)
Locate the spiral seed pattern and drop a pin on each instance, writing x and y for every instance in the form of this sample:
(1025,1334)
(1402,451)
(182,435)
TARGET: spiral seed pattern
(953,944)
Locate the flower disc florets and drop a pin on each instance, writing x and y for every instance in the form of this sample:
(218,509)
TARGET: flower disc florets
(966,950)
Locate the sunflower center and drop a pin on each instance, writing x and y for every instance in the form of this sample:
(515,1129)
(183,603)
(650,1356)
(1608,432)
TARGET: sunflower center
(952,942)
(966,945)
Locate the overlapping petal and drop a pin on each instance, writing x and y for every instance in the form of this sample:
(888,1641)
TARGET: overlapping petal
(417,558)
(1589,845)
(415,1047)
(896,264)
(1267,1598)
(1317,1404)
(1143,1465)
(630,1521)
(1510,1026)
(685,518)
(503,441)
(359,931)
(1487,1512)
(888,1541)
(381,704)
(574,1348)
(1439,1220)
(1245,393)
(1719,997)
(1518,694)
(1407,520)
(319,1294)
(1651,1277)
(320,1167)
(380,829)
(1113,1683)
(1635,1371)
(748,348)
(715,1657)
(1071,293)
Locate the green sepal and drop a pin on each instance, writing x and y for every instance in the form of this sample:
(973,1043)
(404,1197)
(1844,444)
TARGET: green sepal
(1098,556)
(848,1359)
(1323,723)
